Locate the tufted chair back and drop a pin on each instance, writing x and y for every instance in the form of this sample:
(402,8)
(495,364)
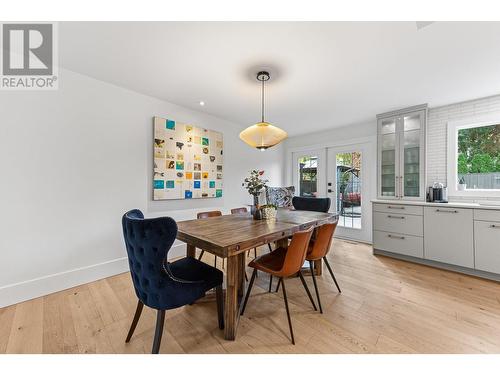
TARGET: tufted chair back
(148,242)
(311,204)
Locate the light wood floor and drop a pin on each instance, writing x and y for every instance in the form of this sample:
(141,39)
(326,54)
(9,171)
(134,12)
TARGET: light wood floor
(386,306)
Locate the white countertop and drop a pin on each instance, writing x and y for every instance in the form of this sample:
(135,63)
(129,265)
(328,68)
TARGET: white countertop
(494,205)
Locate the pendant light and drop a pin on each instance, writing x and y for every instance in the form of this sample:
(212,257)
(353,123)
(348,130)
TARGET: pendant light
(262,135)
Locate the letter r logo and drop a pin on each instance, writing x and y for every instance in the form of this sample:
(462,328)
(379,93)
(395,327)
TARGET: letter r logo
(27,49)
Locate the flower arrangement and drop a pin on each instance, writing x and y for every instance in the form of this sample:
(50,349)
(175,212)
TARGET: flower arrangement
(254,183)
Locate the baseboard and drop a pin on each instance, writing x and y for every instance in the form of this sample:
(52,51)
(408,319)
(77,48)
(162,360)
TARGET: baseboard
(445,266)
(41,286)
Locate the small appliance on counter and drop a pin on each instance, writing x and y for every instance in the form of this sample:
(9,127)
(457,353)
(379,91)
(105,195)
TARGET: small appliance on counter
(437,193)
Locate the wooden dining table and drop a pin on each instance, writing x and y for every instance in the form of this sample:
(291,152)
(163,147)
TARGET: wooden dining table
(230,236)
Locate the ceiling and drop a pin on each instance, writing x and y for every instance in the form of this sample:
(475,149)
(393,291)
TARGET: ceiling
(324,74)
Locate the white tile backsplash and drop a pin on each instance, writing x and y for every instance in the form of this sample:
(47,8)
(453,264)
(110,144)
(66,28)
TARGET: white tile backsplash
(437,122)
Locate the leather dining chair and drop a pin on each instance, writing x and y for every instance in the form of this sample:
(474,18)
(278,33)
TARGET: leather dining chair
(283,263)
(311,204)
(306,204)
(204,215)
(159,284)
(319,250)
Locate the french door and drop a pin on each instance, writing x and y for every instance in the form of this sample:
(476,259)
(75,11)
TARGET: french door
(309,173)
(348,186)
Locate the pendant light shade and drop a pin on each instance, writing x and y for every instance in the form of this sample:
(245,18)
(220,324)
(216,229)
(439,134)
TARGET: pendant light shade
(262,135)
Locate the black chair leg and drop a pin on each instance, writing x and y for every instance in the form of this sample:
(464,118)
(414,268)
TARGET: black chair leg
(252,279)
(215,262)
(287,311)
(278,286)
(307,290)
(311,266)
(201,254)
(160,319)
(270,282)
(331,273)
(220,305)
(137,315)
(255,252)
(270,248)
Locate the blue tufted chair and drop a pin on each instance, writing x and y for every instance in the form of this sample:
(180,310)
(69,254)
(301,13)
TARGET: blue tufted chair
(159,284)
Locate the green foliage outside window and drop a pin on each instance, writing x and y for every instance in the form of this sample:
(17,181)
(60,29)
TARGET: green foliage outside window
(479,150)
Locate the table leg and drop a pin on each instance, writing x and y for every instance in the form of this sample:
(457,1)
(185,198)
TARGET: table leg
(318,267)
(231,310)
(190,251)
(283,242)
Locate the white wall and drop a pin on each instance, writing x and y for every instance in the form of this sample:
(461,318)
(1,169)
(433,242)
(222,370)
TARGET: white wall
(437,123)
(72,162)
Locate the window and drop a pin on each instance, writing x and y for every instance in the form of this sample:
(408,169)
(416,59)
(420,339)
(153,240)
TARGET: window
(474,155)
(308,176)
(478,161)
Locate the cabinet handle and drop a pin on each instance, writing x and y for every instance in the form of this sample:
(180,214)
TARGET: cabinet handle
(447,211)
(395,217)
(495,226)
(395,237)
(398,207)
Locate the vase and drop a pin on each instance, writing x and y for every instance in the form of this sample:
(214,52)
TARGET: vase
(255,211)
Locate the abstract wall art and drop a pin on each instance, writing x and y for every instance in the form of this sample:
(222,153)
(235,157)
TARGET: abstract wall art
(188,161)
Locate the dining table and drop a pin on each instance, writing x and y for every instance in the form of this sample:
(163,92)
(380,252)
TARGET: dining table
(231,236)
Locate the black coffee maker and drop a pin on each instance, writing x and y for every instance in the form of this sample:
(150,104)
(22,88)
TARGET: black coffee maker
(437,193)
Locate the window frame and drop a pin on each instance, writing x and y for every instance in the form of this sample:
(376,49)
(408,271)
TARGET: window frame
(452,154)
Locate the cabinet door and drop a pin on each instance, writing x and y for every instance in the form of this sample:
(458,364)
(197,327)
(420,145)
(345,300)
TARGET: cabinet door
(486,246)
(411,154)
(448,235)
(388,165)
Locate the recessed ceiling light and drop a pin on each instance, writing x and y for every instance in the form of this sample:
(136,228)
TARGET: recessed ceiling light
(202,103)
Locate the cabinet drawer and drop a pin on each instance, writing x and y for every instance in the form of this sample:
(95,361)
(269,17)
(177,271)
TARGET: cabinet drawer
(487,246)
(487,215)
(399,243)
(398,223)
(398,208)
(449,235)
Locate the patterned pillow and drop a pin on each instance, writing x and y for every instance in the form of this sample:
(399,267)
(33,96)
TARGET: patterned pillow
(280,196)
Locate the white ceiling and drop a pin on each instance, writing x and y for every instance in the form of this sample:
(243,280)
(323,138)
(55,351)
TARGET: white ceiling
(325,74)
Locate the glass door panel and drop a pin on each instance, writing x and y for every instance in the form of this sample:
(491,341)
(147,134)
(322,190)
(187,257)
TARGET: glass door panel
(308,176)
(388,158)
(348,189)
(411,155)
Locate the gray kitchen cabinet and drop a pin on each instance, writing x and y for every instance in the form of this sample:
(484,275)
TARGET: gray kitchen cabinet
(449,235)
(401,154)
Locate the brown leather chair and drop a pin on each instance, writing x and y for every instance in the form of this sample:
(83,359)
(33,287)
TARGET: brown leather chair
(318,249)
(204,215)
(284,263)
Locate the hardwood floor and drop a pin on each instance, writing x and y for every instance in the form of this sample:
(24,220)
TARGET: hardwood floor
(386,306)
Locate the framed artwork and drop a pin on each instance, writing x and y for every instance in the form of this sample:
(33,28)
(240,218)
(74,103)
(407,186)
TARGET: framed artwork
(188,161)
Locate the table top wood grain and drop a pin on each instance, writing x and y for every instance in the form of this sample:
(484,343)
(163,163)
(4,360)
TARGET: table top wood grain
(231,234)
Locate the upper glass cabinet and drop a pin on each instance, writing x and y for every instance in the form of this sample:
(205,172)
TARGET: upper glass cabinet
(401,154)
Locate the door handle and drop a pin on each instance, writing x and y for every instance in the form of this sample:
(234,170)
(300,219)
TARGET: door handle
(330,190)
(395,217)
(447,211)
(399,207)
(495,226)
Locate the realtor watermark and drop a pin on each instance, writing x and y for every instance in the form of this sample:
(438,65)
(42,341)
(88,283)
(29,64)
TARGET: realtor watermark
(29,56)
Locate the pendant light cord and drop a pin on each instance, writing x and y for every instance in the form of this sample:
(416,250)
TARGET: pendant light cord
(262,100)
